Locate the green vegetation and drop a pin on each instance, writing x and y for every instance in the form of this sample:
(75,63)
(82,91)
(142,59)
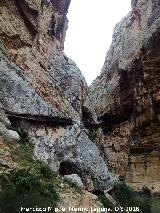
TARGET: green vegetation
(126,196)
(155,205)
(45,171)
(72,186)
(24,137)
(25,189)
(46,130)
(22,153)
(32,184)
(106,203)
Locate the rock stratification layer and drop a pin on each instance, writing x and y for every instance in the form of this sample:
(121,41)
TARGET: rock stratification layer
(37,78)
(126,96)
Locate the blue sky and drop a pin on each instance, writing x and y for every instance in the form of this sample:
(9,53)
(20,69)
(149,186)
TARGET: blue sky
(89,34)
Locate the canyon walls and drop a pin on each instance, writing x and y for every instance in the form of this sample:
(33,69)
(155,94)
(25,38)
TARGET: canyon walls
(126,97)
(37,78)
(33,34)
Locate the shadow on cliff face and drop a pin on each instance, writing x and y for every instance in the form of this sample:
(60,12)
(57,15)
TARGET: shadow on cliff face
(61,5)
(137,87)
(87,115)
(68,168)
(135,101)
(151,60)
(26,13)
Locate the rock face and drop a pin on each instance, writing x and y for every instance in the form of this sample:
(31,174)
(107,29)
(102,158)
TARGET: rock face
(38,78)
(75,179)
(16,94)
(126,96)
(33,33)
(68,150)
(79,202)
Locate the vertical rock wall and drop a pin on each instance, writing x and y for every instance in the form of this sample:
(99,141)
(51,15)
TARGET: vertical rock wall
(38,78)
(32,34)
(126,96)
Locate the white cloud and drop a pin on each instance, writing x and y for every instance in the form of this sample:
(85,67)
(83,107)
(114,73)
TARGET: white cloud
(89,35)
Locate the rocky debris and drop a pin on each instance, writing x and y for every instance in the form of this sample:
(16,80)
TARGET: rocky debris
(73,200)
(62,185)
(3,163)
(10,135)
(3,117)
(126,94)
(5,120)
(74,179)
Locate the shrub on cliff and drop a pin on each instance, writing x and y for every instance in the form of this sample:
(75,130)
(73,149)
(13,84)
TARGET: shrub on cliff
(24,137)
(128,197)
(26,189)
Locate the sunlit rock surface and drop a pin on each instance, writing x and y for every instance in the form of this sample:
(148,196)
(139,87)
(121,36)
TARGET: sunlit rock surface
(68,150)
(38,78)
(126,96)
(33,34)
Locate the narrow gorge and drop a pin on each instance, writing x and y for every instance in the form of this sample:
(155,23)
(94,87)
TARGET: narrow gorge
(95,136)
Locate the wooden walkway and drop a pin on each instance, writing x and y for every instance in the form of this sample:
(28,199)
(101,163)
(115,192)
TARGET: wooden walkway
(48,120)
(41,119)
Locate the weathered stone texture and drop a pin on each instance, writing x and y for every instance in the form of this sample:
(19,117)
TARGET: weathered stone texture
(144,170)
(16,94)
(127,92)
(33,35)
(68,150)
(38,78)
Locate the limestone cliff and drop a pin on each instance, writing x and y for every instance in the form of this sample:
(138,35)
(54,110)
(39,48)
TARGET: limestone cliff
(126,96)
(37,79)
(33,33)
(18,157)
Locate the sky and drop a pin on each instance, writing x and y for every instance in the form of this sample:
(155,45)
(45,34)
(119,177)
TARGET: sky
(89,34)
